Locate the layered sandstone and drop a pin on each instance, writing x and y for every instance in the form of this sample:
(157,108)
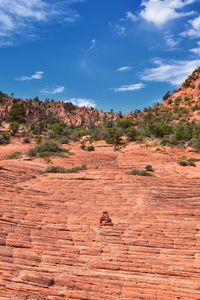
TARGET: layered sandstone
(51,245)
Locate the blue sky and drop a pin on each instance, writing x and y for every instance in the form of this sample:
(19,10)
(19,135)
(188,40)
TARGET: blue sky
(111,54)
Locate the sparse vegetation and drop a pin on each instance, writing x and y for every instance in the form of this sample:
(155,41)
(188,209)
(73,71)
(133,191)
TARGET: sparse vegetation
(46,149)
(149,168)
(15,155)
(137,172)
(184,162)
(4,138)
(57,169)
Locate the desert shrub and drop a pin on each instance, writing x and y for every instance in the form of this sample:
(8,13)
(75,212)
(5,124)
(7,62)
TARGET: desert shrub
(193,159)
(183,132)
(17,113)
(89,148)
(15,155)
(58,169)
(38,139)
(64,140)
(124,123)
(75,133)
(49,135)
(13,127)
(55,169)
(158,129)
(195,143)
(114,136)
(187,162)
(167,95)
(132,133)
(37,129)
(46,149)
(169,140)
(137,172)
(4,138)
(149,168)
(77,169)
(183,163)
(26,140)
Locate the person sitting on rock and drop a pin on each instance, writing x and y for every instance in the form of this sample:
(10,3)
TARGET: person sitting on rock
(105,220)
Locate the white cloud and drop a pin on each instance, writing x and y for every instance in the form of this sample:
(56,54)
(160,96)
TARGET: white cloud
(170,41)
(118,29)
(159,12)
(18,18)
(174,72)
(36,76)
(193,29)
(124,69)
(130,16)
(197,49)
(129,87)
(93,44)
(82,102)
(53,91)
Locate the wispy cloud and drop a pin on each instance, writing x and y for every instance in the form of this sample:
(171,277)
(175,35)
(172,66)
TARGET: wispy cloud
(36,76)
(159,12)
(82,102)
(118,29)
(173,72)
(92,44)
(18,18)
(53,91)
(193,29)
(171,41)
(130,17)
(196,50)
(125,69)
(129,88)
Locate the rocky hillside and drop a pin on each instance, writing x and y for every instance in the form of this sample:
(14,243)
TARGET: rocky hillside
(45,112)
(187,96)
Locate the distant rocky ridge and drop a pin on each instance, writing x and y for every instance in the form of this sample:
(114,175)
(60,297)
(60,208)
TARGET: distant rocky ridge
(41,112)
(187,96)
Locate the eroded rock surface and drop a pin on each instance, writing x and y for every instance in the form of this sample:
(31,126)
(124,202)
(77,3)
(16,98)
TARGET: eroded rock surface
(51,245)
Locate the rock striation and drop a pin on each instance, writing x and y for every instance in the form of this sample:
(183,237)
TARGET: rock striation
(51,245)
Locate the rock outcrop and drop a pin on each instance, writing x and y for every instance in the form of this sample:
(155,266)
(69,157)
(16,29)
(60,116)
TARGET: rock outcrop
(40,112)
(51,245)
(187,96)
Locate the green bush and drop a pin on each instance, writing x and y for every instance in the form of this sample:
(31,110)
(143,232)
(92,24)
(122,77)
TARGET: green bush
(56,169)
(132,134)
(64,140)
(83,167)
(114,136)
(189,162)
(17,113)
(89,148)
(15,155)
(137,172)
(46,149)
(195,143)
(13,127)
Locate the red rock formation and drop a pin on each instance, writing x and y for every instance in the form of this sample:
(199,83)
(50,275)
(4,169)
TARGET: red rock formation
(51,246)
(187,96)
(37,111)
